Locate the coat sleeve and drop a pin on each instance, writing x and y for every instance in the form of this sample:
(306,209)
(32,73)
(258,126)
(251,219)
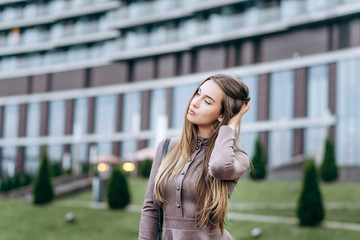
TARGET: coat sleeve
(224,163)
(149,223)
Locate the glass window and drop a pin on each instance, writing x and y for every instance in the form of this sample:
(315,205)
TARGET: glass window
(247,140)
(158,106)
(105,114)
(55,152)
(10,130)
(181,97)
(57,115)
(32,157)
(348,112)
(8,160)
(80,116)
(130,114)
(281,109)
(33,120)
(104,148)
(11,121)
(317,107)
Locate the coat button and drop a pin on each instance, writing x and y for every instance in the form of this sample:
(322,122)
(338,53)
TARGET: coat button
(197,147)
(198,141)
(189,159)
(182,173)
(178,206)
(178,188)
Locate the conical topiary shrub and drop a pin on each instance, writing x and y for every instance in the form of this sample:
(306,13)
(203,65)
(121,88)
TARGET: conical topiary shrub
(310,210)
(118,195)
(43,191)
(258,166)
(328,168)
(145,167)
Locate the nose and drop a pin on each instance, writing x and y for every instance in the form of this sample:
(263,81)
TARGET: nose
(195,102)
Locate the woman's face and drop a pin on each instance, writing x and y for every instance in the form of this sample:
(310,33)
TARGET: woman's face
(205,107)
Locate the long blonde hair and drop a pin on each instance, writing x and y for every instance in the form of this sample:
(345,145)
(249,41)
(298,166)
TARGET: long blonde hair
(212,193)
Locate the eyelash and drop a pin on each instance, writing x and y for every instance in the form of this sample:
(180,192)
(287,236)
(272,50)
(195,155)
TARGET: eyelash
(207,102)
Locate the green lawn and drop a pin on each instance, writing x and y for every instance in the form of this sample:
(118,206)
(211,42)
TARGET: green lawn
(21,220)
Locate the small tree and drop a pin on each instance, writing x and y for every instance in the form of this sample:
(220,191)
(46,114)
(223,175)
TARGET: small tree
(118,195)
(328,168)
(43,190)
(145,167)
(310,210)
(258,167)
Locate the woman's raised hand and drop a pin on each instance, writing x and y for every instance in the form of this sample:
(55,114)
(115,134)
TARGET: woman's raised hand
(234,122)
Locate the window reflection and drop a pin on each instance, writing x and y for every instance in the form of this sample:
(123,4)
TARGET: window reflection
(33,120)
(130,120)
(105,114)
(317,107)
(181,96)
(57,114)
(247,140)
(348,112)
(281,109)
(32,158)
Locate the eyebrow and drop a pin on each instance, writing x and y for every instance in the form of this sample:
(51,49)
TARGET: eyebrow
(207,95)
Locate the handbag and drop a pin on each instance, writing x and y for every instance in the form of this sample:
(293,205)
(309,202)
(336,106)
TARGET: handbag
(160,212)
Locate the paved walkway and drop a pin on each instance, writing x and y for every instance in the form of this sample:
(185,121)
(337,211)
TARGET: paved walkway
(244,216)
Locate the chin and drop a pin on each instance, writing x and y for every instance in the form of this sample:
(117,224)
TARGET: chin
(188,117)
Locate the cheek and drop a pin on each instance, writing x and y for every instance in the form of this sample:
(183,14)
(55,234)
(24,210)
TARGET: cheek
(214,113)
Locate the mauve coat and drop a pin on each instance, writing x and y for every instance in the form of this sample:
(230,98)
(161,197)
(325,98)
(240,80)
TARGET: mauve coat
(181,207)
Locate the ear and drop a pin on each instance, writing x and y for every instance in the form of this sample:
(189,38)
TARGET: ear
(221,118)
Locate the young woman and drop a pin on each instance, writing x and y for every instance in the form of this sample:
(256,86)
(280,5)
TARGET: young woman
(202,167)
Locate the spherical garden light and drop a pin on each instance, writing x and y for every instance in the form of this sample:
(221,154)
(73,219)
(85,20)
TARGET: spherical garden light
(103,167)
(129,167)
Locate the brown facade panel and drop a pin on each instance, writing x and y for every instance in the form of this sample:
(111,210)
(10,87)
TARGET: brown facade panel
(44,118)
(143,69)
(1,120)
(210,58)
(20,156)
(119,113)
(263,136)
(246,53)
(166,66)
(107,75)
(145,110)
(263,97)
(185,63)
(91,115)
(298,42)
(354,31)
(335,40)
(39,84)
(299,108)
(298,148)
(22,120)
(69,116)
(300,92)
(231,56)
(15,86)
(116,148)
(332,95)
(169,106)
(68,80)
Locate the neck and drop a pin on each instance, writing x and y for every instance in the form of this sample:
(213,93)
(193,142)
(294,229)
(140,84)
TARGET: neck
(204,132)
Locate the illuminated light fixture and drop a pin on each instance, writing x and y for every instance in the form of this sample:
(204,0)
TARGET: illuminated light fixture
(103,167)
(15,30)
(128,167)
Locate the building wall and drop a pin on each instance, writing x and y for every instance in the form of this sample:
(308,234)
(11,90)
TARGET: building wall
(311,39)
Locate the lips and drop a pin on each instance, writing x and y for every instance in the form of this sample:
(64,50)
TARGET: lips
(191,111)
